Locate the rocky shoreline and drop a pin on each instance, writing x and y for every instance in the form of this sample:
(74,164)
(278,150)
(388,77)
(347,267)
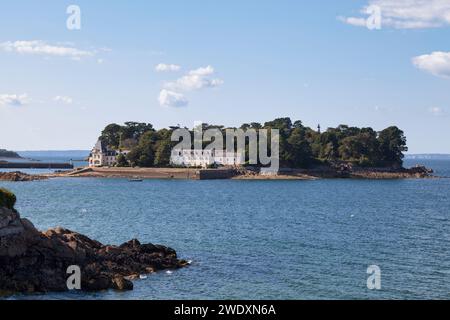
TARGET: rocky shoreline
(20,176)
(320,172)
(37,262)
(349,172)
(417,172)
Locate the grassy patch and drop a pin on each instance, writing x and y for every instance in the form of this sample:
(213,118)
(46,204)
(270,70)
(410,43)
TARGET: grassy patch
(7,199)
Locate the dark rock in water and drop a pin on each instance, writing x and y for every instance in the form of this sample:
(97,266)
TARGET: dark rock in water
(120,283)
(19,176)
(37,262)
(421,170)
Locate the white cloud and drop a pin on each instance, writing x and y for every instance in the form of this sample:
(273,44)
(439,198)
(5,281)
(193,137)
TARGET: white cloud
(63,99)
(13,100)
(359,22)
(38,47)
(195,80)
(406,14)
(436,63)
(206,71)
(172,99)
(172,93)
(163,67)
(436,111)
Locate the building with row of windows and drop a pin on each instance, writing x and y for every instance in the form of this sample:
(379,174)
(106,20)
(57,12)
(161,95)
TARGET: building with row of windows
(205,158)
(102,156)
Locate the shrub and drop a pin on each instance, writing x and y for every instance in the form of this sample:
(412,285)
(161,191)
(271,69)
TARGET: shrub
(7,199)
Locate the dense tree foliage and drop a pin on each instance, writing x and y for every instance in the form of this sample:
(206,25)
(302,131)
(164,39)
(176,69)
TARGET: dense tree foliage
(124,137)
(392,144)
(300,146)
(122,161)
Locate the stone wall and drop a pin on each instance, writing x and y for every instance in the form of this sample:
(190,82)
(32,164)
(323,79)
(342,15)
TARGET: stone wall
(215,174)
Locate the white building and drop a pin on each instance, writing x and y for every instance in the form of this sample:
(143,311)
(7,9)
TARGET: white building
(101,156)
(204,158)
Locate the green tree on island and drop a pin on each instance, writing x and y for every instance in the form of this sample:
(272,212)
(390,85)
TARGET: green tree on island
(392,145)
(122,161)
(300,146)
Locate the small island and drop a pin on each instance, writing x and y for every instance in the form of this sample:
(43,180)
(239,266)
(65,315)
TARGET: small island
(137,150)
(141,145)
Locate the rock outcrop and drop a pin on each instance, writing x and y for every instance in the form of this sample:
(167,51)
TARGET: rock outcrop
(19,176)
(37,262)
(417,172)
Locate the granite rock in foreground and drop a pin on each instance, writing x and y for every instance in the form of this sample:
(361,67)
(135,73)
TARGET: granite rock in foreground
(37,262)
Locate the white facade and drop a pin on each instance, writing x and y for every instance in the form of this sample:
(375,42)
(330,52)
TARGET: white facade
(204,158)
(103,157)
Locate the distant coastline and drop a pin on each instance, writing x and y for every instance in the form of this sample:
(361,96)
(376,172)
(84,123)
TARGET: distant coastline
(43,160)
(69,154)
(428,156)
(9,154)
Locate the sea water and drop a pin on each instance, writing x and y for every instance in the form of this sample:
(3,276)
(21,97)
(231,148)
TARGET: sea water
(263,239)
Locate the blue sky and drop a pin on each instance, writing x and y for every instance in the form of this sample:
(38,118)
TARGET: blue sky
(232,62)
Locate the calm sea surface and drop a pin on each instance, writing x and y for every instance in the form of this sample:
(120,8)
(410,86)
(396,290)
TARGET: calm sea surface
(263,239)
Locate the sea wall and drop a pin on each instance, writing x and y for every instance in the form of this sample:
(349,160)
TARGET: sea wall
(216,174)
